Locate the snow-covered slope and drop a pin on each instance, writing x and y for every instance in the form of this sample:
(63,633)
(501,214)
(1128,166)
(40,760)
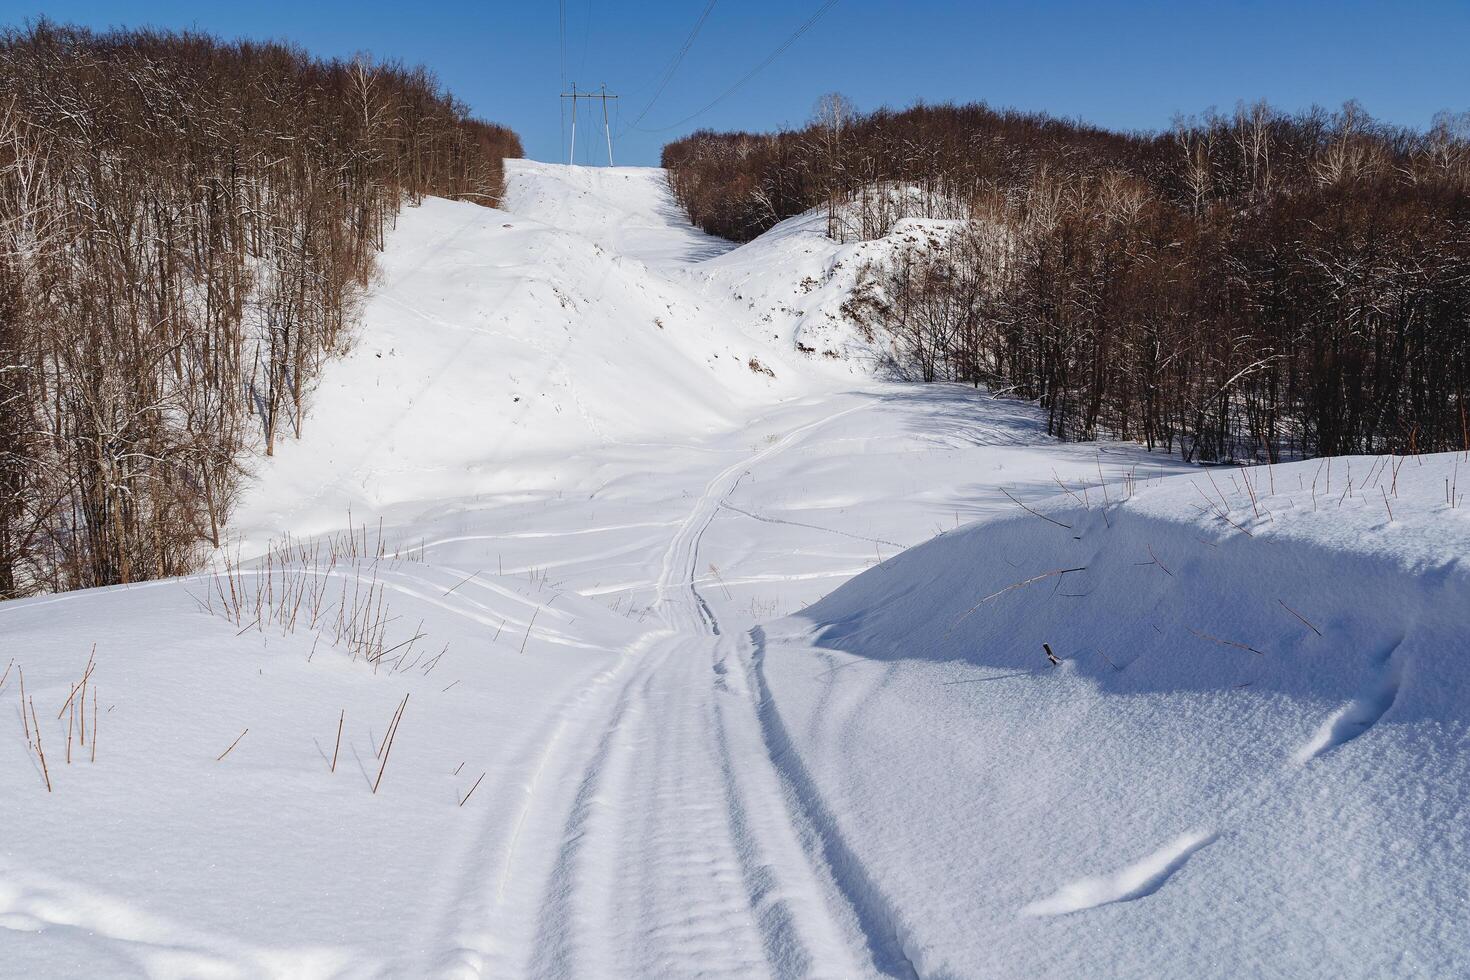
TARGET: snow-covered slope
(640,662)
(498,343)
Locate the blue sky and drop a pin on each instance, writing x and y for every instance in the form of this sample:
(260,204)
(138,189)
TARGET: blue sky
(1130,66)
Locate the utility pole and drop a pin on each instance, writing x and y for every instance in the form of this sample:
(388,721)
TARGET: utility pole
(605,130)
(574,95)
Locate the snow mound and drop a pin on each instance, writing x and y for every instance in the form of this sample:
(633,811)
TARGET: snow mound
(795,281)
(1251,750)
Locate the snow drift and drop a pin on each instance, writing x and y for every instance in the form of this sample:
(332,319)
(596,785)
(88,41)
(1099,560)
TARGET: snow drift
(1250,758)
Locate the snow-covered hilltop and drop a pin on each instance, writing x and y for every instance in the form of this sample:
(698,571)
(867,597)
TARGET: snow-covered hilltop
(666,643)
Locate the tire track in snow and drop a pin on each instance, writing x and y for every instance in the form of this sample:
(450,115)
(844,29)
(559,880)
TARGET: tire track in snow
(559,946)
(878,918)
(787,895)
(815,527)
(674,850)
(491,925)
(481,931)
(677,595)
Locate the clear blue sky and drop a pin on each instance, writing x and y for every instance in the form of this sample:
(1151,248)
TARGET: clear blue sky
(1130,66)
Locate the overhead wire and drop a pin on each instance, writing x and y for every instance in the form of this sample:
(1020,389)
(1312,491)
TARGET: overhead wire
(586,36)
(673,65)
(780,50)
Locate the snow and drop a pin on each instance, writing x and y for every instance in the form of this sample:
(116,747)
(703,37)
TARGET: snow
(1252,755)
(717,672)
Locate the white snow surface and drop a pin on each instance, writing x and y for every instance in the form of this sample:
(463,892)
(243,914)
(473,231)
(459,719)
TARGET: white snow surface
(714,672)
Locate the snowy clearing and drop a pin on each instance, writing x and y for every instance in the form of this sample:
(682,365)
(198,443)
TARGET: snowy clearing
(666,643)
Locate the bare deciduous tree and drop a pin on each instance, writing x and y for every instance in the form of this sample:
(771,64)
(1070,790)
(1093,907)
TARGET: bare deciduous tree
(185,227)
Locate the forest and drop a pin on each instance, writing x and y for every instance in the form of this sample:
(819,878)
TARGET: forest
(1251,286)
(186,226)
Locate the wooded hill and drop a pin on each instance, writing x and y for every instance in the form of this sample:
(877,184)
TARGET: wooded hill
(185,225)
(1249,286)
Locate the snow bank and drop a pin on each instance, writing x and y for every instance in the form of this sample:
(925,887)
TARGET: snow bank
(1250,758)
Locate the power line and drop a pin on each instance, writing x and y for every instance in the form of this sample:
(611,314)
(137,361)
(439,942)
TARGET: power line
(795,36)
(673,65)
(586,35)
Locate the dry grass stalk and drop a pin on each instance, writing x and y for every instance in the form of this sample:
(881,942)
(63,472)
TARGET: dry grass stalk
(463,581)
(1065,489)
(1155,561)
(388,747)
(45,772)
(87,672)
(1223,515)
(232,745)
(22,673)
(1014,585)
(529,625)
(1301,617)
(338,747)
(1036,513)
(1228,643)
(333,584)
(472,790)
(392,725)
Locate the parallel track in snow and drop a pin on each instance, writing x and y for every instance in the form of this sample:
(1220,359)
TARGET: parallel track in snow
(682,848)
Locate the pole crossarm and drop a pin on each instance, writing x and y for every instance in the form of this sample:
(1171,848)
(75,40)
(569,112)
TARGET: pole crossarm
(603,96)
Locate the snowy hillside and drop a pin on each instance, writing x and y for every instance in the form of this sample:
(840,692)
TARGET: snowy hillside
(498,343)
(664,643)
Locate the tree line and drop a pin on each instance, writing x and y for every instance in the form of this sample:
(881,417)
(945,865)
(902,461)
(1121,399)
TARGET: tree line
(186,226)
(1245,286)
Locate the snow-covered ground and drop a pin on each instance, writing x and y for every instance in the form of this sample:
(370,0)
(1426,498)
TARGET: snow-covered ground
(721,659)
